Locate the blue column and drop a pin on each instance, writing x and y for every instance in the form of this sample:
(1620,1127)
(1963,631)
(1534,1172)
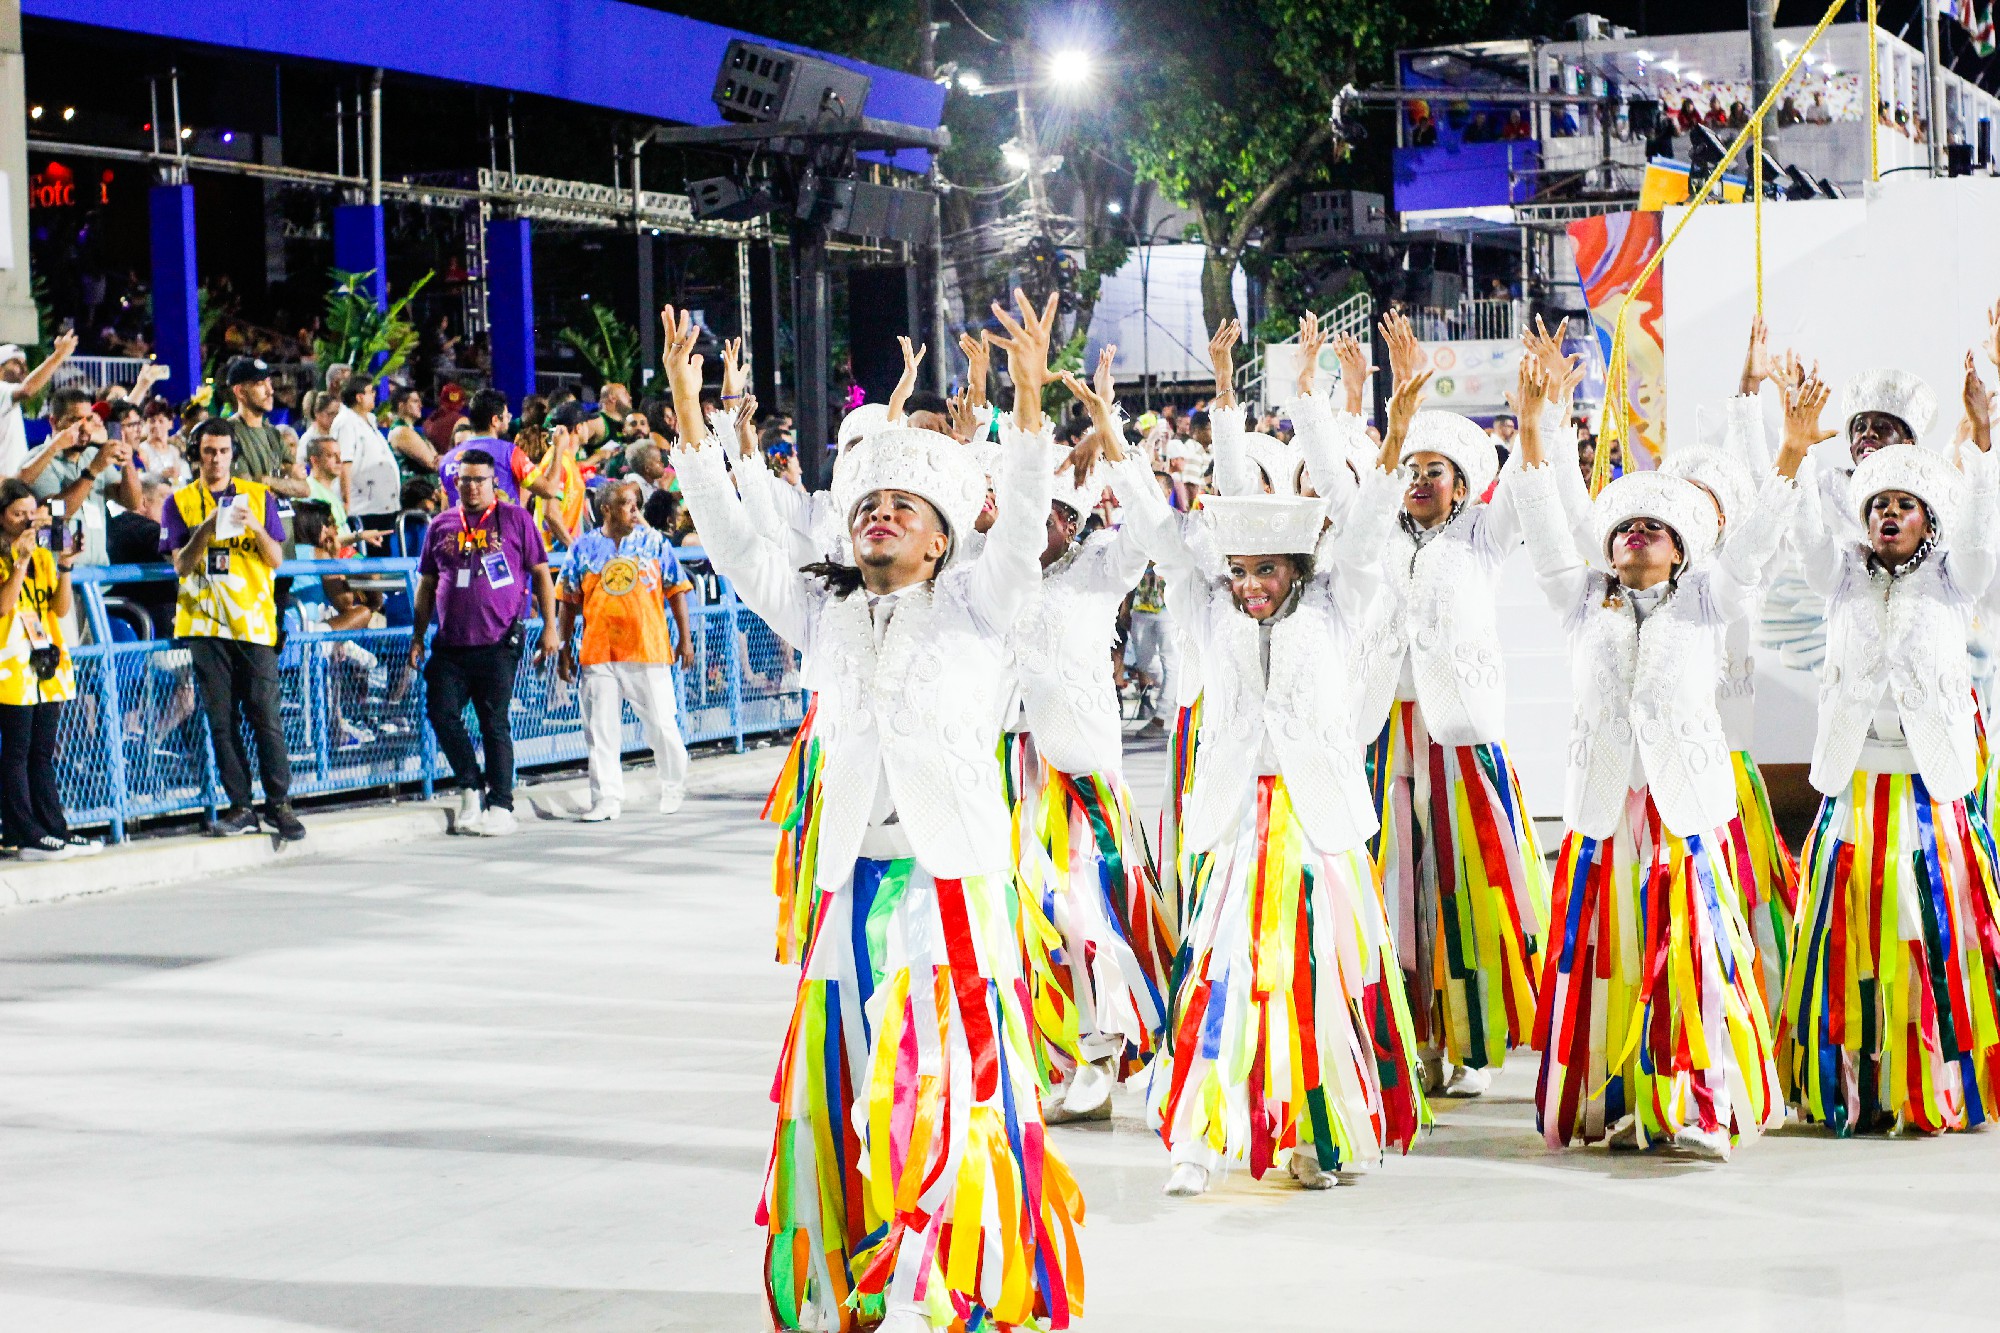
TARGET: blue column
(510,306)
(176,289)
(359,247)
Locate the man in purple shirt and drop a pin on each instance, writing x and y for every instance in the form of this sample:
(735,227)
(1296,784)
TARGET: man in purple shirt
(489,417)
(479,561)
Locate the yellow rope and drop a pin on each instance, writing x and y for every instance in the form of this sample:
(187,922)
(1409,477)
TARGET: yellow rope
(1874,100)
(1618,410)
(1757,209)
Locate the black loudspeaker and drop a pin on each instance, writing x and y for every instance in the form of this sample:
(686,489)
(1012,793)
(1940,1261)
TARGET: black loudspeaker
(1958,159)
(1329,213)
(882,305)
(878,212)
(762,83)
(1438,289)
(724,200)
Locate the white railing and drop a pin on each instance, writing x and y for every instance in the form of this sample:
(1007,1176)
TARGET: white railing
(1355,316)
(98,372)
(1494,319)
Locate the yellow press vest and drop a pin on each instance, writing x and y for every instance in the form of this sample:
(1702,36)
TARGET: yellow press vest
(240,605)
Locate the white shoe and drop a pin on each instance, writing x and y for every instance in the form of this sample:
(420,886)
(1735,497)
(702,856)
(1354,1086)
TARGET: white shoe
(602,811)
(498,823)
(1430,1072)
(1466,1081)
(47,849)
(1305,1169)
(470,812)
(1710,1145)
(904,1320)
(1188,1180)
(672,798)
(1623,1136)
(1089,1092)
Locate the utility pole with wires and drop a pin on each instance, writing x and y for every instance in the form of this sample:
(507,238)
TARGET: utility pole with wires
(940,334)
(1764,63)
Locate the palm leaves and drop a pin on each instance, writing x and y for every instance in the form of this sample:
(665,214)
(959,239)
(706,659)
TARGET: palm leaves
(612,352)
(361,334)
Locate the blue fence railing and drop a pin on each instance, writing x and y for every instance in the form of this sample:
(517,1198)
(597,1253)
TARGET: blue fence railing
(134,742)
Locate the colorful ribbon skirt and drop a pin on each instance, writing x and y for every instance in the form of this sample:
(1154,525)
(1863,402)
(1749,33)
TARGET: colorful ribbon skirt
(1465,886)
(1889,1008)
(1289,1027)
(1767,880)
(1649,1004)
(909,1168)
(794,806)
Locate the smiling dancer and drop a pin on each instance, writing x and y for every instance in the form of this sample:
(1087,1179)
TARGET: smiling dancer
(1291,1040)
(1650,1025)
(1465,885)
(1099,934)
(909,1179)
(1895,981)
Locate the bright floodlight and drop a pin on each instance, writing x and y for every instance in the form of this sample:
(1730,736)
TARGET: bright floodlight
(1114,208)
(1069,67)
(1014,155)
(969,80)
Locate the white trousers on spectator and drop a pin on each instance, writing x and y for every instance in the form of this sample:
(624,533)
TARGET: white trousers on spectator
(649,686)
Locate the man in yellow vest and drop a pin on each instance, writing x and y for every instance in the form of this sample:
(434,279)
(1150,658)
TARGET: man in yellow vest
(224,534)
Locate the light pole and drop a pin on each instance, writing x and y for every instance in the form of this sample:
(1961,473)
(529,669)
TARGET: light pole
(1145,312)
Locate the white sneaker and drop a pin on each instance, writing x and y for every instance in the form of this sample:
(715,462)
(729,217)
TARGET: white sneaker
(470,812)
(1710,1145)
(1305,1169)
(47,849)
(1188,1180)
(602,812)
(498,823)
(1466,1081)
(1088,1096)
(672,798)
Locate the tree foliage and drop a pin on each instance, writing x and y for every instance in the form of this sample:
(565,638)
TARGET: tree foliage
(610,349)
(372,340)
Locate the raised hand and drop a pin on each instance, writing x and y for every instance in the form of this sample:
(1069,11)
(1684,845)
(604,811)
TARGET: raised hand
(746,427)
(1219,356)
(978,366)
(1757,363)
(683,369)
(907,384)
(1788,372)
(1311,342)
(1531,395)
(1410,368)
(1354,370)
(1803,404)
(1101,402)
(1027,348)
(64,345)
(1978,405)
(963,420)
(1993,334)
(734,370)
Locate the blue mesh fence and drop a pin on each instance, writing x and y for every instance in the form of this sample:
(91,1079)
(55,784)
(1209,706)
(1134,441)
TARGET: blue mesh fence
(134,743)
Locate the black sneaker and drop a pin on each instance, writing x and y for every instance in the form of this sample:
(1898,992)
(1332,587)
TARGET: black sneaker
(85,846)
(47,849)
(288,825)
(233,823)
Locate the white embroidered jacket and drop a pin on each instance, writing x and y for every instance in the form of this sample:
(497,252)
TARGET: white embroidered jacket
(1295,715)
(1902,643)
(921,712)
(1061,641)
(1644,693)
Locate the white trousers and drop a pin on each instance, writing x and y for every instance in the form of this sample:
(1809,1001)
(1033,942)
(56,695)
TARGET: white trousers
(649,686)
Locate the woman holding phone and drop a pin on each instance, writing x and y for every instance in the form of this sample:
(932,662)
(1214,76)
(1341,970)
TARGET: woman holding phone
(35,675)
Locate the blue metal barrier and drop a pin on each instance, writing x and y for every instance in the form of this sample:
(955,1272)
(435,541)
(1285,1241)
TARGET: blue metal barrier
(134,742)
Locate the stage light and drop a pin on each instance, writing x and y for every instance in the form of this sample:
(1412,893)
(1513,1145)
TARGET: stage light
(1015,156)
(187,132)
(970,80)
(69,113)
(1114,208)
(34,113)
(229,136)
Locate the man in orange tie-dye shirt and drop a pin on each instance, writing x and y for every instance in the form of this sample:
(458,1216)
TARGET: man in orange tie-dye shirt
(624,578)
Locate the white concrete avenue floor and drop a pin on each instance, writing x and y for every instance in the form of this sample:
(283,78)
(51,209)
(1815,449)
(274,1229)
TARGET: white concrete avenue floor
(467,1085)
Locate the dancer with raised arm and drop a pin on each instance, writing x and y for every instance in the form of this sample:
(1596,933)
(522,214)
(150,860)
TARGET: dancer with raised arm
(1099,935)
(1464,883)
(1650,1024)
(1291,1042)
(909,1180)
(1895,977)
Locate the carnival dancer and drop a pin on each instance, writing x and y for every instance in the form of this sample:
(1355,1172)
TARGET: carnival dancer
(909,1179)
(1650,1024)
(1890,1007)
(1099,934)
(1290,1036)
(1464,883)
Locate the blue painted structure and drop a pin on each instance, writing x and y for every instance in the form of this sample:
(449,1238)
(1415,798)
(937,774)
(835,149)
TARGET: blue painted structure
(510,306)
(599,53)
(176,289)
(360,245)
(1466,175)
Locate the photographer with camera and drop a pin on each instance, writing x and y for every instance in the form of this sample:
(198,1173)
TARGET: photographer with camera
(223,534)
(35,676)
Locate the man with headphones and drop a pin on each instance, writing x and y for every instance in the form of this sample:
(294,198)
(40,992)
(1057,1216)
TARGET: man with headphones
(225,537)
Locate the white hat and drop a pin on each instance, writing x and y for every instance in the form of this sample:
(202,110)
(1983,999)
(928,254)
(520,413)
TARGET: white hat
(1676,502)
(1080,499)
(1733,486)
(1469,448)
(1283,465)
(1264,524)
(922,462)
(11,352)
(863,420)
(1895,392)
(1908,467)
